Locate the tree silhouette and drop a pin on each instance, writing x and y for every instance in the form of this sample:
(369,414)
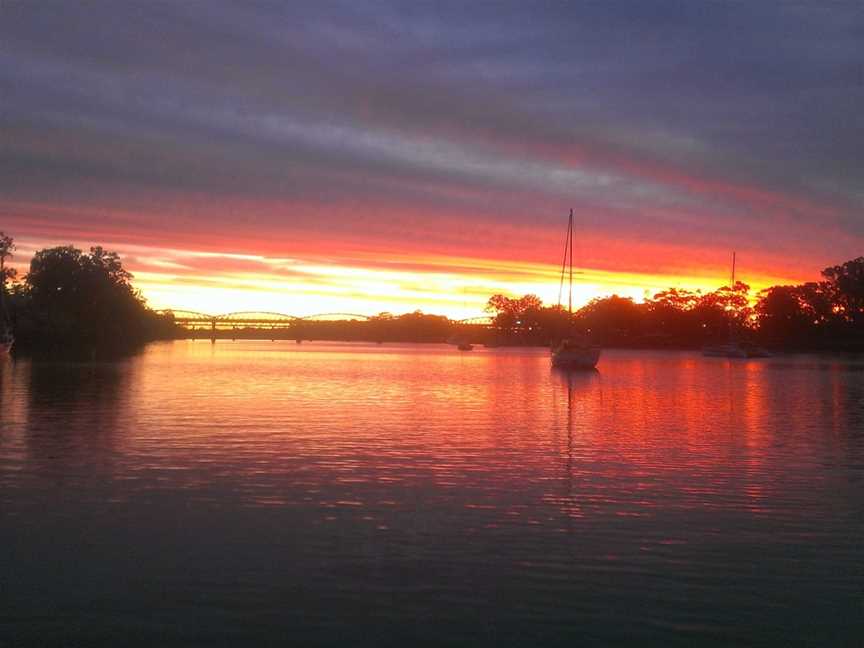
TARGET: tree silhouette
(74,299)
(614,320)
(7,247)
(846,286)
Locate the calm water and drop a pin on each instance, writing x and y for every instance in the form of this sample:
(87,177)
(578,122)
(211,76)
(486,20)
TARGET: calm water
(283,494)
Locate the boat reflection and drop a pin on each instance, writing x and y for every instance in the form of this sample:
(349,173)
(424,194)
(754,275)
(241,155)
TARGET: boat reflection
(575,381)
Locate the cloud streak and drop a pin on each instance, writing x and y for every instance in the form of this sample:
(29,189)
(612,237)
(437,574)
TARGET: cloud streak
(464,129)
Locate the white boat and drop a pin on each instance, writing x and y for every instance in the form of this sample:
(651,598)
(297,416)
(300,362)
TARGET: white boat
(574,351)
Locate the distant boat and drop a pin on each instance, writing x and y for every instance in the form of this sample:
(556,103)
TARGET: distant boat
(734,348)
(460,342)
(728,350)
(574,351)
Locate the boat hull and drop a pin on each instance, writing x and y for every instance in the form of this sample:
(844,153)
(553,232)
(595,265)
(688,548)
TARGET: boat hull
(735,351)
(586,358)
(724,351)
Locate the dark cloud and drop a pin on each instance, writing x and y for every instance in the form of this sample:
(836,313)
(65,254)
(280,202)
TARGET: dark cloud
(661,119)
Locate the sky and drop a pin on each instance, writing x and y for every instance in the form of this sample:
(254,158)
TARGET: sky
(392,156)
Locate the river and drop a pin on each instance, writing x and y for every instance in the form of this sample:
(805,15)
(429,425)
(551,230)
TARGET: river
(270,493)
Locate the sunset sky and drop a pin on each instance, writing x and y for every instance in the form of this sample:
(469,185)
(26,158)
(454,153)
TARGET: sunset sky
(362,157)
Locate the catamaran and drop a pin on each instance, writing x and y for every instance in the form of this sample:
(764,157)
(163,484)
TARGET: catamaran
(574,351)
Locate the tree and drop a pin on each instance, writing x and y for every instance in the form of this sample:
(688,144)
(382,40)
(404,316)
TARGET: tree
(672,319)
(675,299)
(781,315)
(614,320)
(846,285)
(83,299)
(7,247)
(798,316)
(727,308)
(515,315)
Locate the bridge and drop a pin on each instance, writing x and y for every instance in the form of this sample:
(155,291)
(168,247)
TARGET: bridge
(213,326)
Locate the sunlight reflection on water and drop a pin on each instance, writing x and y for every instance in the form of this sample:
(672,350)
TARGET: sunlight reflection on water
(335,493)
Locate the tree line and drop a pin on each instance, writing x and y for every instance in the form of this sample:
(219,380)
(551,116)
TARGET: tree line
(821,315)
(72,299)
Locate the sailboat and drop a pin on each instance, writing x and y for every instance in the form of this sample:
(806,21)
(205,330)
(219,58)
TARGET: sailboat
(733,347)
(6,339)
(574,351)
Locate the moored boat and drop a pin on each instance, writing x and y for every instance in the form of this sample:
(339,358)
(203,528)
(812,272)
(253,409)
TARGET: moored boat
(574,351)
(575,354)
(734,349)
(728,350)
(460,341)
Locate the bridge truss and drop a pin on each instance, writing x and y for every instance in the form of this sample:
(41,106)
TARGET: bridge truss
(213,326)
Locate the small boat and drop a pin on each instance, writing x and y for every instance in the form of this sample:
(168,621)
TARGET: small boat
(460,342)
(735,349)
(727,350)
(574,351)
(754,351)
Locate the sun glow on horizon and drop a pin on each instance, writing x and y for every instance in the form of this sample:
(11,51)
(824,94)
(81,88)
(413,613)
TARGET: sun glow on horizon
(311,288)
(455,286)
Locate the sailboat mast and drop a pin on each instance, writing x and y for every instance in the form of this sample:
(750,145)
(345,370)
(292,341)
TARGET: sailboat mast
(732,285)
(563,269)
(570,245)
(730,319)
